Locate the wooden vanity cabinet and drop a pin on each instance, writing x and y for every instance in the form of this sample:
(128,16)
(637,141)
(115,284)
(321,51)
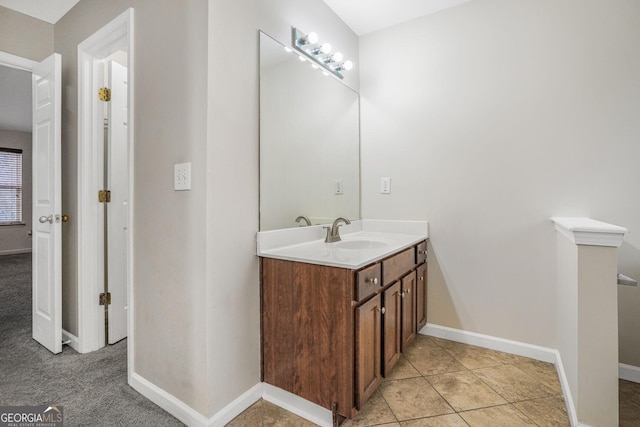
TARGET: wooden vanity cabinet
(409,323)
(308,343)
(421,296)
(368,348)
(329,334)
(392,316)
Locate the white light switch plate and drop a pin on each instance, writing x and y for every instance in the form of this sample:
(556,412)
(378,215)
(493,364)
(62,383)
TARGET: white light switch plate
(182,176)
(385,185)
(339,186)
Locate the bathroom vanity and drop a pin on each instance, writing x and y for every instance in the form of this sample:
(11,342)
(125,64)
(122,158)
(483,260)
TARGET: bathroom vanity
(336,316)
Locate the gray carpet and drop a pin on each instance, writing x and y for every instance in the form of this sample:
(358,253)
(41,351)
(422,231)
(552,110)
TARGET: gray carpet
(91,387)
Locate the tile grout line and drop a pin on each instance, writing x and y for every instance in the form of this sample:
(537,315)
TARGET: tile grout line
(500,363)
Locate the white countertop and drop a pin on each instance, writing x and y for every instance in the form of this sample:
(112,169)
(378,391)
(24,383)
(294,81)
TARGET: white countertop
(363,242)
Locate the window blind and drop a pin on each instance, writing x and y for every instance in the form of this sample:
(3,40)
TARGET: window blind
(10,186)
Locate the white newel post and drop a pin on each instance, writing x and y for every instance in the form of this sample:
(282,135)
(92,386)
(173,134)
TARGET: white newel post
(588,316)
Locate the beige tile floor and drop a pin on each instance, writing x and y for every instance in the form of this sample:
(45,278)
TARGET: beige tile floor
(440,383)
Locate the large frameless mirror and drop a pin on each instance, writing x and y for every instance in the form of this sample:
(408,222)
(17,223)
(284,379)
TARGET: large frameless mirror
(309,142)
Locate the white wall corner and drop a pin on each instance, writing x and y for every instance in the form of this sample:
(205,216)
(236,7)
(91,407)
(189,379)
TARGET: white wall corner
(587,231)
(186,413)
(168,402)
(238,406)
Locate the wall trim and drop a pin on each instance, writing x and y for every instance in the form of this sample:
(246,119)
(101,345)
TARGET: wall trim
(186,413)
(629,372)
(544,354)
(72,340)
(167,401)
(15,251)
(115,35)
(9,60)
(235,408)
(297,405)
(321,416)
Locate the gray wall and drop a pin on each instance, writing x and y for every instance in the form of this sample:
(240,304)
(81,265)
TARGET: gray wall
(14,238)
(25,36)
(232,297)
(490,118)
(169,239)
(196,282)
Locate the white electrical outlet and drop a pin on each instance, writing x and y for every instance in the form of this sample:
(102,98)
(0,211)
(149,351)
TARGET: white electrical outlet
(339,187)
(385,185)
(182,176)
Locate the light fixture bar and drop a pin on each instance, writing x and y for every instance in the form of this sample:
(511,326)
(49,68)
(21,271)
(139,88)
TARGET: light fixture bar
(319,53)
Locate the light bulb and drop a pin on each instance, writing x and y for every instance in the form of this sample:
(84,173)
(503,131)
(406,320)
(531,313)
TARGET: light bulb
(325,73)
(325,48)
(314,66)
(347,65)
(312,38)
(336,57)
(301,58)
(287,49)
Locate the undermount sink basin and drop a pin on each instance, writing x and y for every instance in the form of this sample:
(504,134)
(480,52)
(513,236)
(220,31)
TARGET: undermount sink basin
(361,244)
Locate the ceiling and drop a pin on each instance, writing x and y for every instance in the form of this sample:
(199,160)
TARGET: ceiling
(363,16)
(49,11)
(366,16)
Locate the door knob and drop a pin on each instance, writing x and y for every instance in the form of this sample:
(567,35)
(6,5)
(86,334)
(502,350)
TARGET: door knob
(44,219)
(65,218)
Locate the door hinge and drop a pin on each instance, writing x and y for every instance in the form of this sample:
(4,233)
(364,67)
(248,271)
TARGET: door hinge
(104,196)
(104,94)
(105,298)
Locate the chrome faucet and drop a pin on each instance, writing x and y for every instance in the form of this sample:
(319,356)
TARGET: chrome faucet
(333,233)
(305,219)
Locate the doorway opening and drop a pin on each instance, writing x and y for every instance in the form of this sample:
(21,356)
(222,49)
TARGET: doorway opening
(105,159)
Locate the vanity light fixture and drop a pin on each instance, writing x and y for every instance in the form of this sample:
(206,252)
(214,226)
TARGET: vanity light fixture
(319,53)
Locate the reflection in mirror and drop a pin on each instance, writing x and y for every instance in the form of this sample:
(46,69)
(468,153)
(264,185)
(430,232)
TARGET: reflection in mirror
(309,142)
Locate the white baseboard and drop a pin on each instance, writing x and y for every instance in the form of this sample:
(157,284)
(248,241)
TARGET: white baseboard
(71,340)
(629,372)
(296,404)
(168,402)
(15,251)
(187,414)
(321,416)
(544,354)
(236,407)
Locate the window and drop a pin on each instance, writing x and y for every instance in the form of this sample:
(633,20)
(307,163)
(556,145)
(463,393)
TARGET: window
(10,186)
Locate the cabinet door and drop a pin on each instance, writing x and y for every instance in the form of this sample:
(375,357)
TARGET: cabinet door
(421,296)
(392,313)
(408,309)
(368,349)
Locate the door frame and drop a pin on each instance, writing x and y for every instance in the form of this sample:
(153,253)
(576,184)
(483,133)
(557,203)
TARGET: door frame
(116,35)
(18,62)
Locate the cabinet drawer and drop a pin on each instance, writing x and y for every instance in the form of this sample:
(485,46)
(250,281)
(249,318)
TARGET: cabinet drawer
(369,281)
(421,252)
(398,265)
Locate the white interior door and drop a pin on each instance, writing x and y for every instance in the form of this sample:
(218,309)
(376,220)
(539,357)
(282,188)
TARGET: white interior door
(117,218)
(47,228)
